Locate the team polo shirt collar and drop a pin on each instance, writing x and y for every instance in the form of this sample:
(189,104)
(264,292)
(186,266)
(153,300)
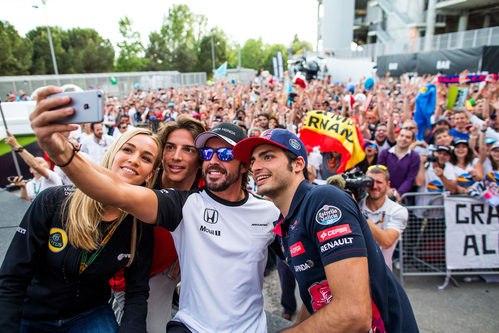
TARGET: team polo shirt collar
(300,193)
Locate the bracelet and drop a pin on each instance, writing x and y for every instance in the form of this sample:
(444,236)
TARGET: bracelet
(20,149)
(473,136)
(75,150)
(483,131)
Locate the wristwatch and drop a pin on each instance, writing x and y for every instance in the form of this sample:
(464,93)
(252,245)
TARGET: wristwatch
(20,149)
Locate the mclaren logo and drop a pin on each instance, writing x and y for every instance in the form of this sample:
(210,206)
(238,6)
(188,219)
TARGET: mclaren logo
(210,216)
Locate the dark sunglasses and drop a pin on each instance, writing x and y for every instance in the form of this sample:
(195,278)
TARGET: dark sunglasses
(370,145)
(224,154)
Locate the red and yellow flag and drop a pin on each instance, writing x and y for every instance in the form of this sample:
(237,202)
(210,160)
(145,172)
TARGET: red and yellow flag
(333,133)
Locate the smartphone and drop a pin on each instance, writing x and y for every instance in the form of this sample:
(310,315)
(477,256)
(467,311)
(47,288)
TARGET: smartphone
(88,106)
(11,178)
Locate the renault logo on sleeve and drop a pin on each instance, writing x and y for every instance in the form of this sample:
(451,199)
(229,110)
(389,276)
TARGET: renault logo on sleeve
(210,216)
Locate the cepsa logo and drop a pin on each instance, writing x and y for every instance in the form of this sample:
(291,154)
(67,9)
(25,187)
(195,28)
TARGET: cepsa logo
(296,249)
(334,232)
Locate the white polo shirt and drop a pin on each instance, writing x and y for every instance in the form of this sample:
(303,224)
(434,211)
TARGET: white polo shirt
(389,216)
(94,149)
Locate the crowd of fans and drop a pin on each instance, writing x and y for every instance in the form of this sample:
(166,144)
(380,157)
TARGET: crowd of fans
(461,142)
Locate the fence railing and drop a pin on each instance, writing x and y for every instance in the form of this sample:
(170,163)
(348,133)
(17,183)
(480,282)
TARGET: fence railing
(422,244)
(455,40)
(116,84)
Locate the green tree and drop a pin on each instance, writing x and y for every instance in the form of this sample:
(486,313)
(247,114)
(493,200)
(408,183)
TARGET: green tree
(182,31)
(15,52)
(89,52)
(157,53)
(205,62)
(42,59)
(297,46)
(131,49)
(252,54)
(270,52)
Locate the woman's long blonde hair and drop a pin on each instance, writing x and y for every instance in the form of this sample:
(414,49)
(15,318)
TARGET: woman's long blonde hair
(84,214)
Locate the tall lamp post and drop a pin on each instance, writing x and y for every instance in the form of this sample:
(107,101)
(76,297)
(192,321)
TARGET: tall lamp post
(212,52)
(54,61)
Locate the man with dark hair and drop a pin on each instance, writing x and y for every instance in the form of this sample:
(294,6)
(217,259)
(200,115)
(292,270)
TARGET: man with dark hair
(384,136)
(402,164)
(263,120)
(327,244)
(97,144)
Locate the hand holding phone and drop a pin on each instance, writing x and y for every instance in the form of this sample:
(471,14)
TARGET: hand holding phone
(88,106)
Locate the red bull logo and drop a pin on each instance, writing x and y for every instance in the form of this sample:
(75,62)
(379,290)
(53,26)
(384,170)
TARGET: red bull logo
(320,295)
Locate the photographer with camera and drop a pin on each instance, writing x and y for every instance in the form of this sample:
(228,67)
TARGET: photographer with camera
(436,173)
(386,218)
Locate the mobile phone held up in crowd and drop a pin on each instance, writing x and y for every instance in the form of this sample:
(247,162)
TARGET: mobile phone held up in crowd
(88,106)
(11,178)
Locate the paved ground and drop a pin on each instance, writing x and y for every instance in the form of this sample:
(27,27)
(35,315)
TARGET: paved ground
(471,307)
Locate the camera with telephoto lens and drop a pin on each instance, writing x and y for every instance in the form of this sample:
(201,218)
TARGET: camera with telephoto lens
(353,182)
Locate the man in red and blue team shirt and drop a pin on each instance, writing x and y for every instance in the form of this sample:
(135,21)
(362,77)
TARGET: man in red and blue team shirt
(327,244)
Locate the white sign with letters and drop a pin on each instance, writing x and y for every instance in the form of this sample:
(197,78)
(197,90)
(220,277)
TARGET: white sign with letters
(472,233)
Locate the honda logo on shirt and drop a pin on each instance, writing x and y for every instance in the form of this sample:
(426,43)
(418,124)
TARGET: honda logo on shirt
(210,216)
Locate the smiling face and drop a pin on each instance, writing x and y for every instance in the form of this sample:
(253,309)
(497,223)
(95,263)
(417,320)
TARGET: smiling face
(221,175)
(404,139)
(180,160)
(461,150)
(272,171)
(381,133)
(134,161)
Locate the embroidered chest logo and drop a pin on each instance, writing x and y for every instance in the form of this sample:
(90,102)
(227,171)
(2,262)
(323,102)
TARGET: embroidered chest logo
(328,215)
(296,249)
(210,216)
(58,239)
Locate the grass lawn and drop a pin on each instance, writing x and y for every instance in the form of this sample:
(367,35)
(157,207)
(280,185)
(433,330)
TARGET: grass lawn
(23,141)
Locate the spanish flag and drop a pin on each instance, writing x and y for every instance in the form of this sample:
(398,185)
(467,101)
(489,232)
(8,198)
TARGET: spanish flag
(333,133)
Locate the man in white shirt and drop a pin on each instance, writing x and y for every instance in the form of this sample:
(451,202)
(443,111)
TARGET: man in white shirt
(97,144)
(386,218)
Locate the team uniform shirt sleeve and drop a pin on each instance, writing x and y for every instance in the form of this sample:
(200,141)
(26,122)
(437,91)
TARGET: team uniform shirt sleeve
(137,282)
(334,225)
(170,203)
(25,250)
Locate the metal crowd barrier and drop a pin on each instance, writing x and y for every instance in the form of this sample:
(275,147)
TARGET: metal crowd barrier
(422,244)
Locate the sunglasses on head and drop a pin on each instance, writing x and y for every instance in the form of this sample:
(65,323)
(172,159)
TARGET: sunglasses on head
(223,154)
(381,166)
